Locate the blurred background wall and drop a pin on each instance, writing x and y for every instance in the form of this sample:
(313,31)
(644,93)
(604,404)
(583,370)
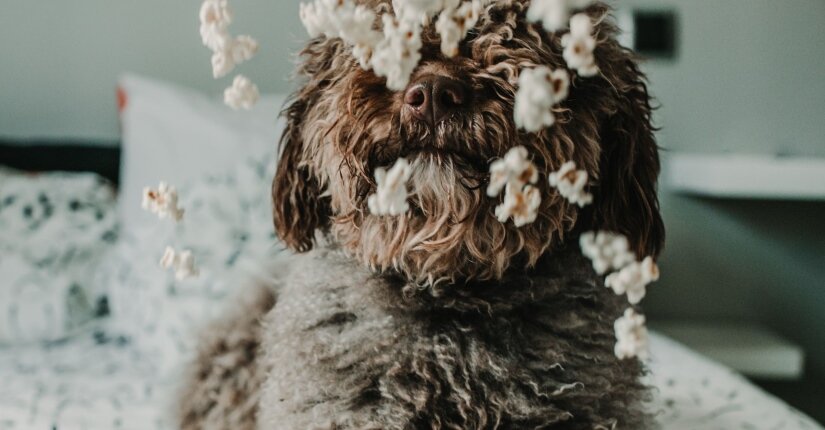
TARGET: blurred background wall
(60,60)
(747,77)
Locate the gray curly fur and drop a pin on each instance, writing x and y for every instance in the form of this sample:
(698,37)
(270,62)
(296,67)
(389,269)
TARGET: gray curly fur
(344,348)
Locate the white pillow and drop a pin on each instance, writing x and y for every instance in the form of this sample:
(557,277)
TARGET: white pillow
(177,135)
(228,227)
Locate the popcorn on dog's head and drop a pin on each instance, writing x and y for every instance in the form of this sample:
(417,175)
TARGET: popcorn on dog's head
(454,117)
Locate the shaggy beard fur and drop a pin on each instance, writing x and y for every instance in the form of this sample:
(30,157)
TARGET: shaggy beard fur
(449,222)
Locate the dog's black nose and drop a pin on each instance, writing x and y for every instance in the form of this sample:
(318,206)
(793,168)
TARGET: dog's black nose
(434,98)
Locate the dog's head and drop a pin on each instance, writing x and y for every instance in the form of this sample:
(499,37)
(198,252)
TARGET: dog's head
(454,118)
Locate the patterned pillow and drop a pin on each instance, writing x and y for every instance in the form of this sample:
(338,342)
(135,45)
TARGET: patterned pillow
(228,227)
(54,229)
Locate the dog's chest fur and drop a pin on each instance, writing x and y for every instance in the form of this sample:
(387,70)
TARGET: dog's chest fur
(345,349)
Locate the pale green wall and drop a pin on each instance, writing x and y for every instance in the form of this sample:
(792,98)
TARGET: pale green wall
(60,59)
(750,78)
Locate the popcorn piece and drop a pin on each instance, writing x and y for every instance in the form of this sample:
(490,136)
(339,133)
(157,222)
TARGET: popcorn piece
(356,27)
(162,201)
(395,52)
(520,203)
(513,173)
(243,94)
(215,17)
(391,196)
(168,259)
(243,49)
(397,55)
(579,45)
(186,266)
(560,84)
(554,14)
(316,17)
(631,336)
(420,10)
(454,23)
(231,54)
(571,183)
(514,169)
(339,18)
(608,251)
(183,263)
(633,279)
(227,52)
(539,89)
(222,63)
(343,19)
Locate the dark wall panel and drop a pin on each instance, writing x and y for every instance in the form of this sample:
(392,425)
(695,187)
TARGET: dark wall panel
(103,159)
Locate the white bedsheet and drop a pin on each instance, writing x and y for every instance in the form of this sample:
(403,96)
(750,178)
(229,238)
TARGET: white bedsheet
(98,383)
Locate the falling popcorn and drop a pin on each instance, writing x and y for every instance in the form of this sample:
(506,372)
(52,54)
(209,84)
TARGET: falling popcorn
(554,14)
(631,336)
(397,55)
(560,85)
(420,10)
(608,251)
(183,263)
(520,203)
(391,196)
(579,45)
(243,94)
(162,201)
(633,279)
(343,19)
(514,173)
(394,52)
(316,17)
(215,17)
(454,23)
(514,168)
(571,183)
(227,52)
(232,53)
(539,89)
(244,48)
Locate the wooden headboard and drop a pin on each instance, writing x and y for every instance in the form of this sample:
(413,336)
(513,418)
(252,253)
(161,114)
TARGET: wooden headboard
(102,158)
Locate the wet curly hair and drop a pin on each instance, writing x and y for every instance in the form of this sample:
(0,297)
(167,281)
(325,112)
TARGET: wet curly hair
(343,123)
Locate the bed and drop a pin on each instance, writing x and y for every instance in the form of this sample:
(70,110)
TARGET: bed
(94,382)
(93,335)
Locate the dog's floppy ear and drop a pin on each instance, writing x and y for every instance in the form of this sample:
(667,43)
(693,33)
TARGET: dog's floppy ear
(297,206)
(626,199)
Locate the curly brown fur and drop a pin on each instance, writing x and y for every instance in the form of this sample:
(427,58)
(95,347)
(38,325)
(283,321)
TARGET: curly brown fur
(446,318)
(344,123)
